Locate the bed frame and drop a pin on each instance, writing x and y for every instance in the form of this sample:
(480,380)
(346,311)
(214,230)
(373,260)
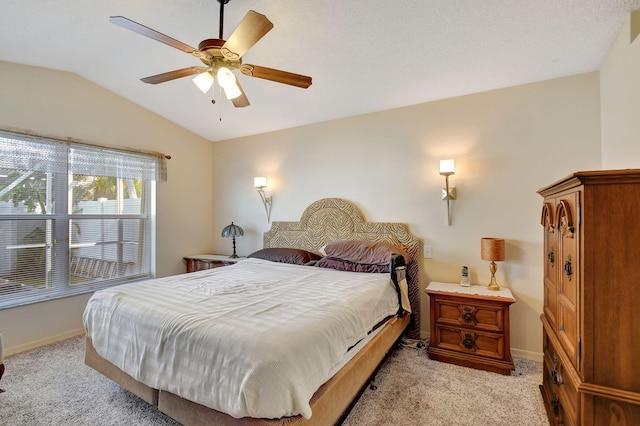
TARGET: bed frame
(326,220)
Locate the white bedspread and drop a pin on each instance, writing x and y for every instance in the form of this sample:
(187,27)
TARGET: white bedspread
(253,339)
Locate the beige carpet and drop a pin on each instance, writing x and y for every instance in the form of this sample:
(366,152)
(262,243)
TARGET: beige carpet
(52,386)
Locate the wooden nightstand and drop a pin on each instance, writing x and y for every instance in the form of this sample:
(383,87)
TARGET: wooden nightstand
(470,326)
(199,262)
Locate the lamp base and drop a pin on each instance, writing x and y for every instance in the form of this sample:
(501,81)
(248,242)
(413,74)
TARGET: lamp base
(493,285)
(234,255)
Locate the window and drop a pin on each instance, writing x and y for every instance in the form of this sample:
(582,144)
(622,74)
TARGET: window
(74,218)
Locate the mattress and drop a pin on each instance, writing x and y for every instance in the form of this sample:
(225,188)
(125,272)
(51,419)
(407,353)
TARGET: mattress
(254,339)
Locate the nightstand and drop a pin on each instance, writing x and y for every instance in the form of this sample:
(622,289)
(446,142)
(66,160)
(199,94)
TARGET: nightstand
(199,262)
(470,326)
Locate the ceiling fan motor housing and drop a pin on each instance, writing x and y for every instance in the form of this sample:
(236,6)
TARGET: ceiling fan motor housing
(213,55)
(211,46)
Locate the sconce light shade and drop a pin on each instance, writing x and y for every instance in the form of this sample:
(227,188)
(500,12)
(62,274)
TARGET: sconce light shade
(232,231)
(260,182)
(492,249)
(447,167)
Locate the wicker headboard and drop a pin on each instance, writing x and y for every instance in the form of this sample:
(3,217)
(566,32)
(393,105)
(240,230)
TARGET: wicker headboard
(332,219)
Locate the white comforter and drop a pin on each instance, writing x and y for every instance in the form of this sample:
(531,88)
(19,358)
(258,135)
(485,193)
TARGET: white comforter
(253,339)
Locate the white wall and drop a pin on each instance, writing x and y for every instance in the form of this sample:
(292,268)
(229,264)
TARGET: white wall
(506,143)
(620,104)
(62,105)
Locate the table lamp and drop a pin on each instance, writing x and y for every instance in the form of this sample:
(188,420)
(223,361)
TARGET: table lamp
(232,231)
(492,249)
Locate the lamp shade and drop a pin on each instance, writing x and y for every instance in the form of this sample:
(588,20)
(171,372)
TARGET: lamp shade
(232,231)
(492,249)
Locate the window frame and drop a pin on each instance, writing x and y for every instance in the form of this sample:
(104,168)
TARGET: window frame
(58,219)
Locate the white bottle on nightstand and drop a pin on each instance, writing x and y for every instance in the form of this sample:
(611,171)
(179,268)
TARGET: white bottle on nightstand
(464,282)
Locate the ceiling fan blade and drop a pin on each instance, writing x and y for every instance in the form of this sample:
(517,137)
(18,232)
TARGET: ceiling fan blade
(242,100)
(278,76)
(123,22)
(251,29)
(172,75)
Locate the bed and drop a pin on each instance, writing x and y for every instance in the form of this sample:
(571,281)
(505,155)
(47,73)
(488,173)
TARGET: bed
(324,221)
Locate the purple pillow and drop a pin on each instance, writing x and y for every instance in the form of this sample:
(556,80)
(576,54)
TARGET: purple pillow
(286,255)
(346,265)
(366,252)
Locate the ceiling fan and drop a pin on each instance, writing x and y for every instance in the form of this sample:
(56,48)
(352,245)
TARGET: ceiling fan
(220,56)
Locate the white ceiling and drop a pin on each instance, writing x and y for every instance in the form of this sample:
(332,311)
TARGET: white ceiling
(363,55)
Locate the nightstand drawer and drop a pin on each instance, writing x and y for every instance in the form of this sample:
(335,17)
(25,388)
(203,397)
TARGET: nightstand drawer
(472,342)
(477,315)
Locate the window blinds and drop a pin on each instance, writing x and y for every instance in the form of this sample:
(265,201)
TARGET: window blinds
(56,241)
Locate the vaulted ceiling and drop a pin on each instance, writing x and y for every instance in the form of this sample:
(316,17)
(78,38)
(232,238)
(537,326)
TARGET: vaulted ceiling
(363,55)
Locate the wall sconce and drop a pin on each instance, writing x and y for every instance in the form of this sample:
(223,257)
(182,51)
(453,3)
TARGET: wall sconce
(260,183)
(447,168)
(492,249)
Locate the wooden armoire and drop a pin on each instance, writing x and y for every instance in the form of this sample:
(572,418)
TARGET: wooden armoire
(591,339)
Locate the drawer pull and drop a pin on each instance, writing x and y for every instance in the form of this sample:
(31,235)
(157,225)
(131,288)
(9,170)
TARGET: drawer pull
(568,269)
(555,376)
(468,342)
(554,372)
(555,405)
(551,257)
(467,316)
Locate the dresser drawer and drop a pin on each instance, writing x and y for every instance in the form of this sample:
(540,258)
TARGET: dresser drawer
(477,315)
(559,381)
(555,408)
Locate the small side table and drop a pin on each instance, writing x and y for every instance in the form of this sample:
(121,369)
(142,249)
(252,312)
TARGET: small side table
(470,326)
(199,262)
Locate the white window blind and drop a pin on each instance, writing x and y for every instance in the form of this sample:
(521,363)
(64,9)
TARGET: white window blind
(96,161)
(73,217)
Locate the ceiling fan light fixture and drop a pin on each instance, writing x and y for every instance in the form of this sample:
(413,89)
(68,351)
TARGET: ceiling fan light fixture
(227,81)
(232,91)
(204,81)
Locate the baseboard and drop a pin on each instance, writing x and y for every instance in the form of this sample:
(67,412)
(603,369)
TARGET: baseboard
(533,356)
(43,342)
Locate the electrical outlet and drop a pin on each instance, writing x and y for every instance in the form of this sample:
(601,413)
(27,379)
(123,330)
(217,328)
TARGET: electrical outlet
(427,252)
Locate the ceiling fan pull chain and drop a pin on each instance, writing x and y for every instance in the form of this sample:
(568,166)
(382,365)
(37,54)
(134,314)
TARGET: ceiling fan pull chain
(219,104)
